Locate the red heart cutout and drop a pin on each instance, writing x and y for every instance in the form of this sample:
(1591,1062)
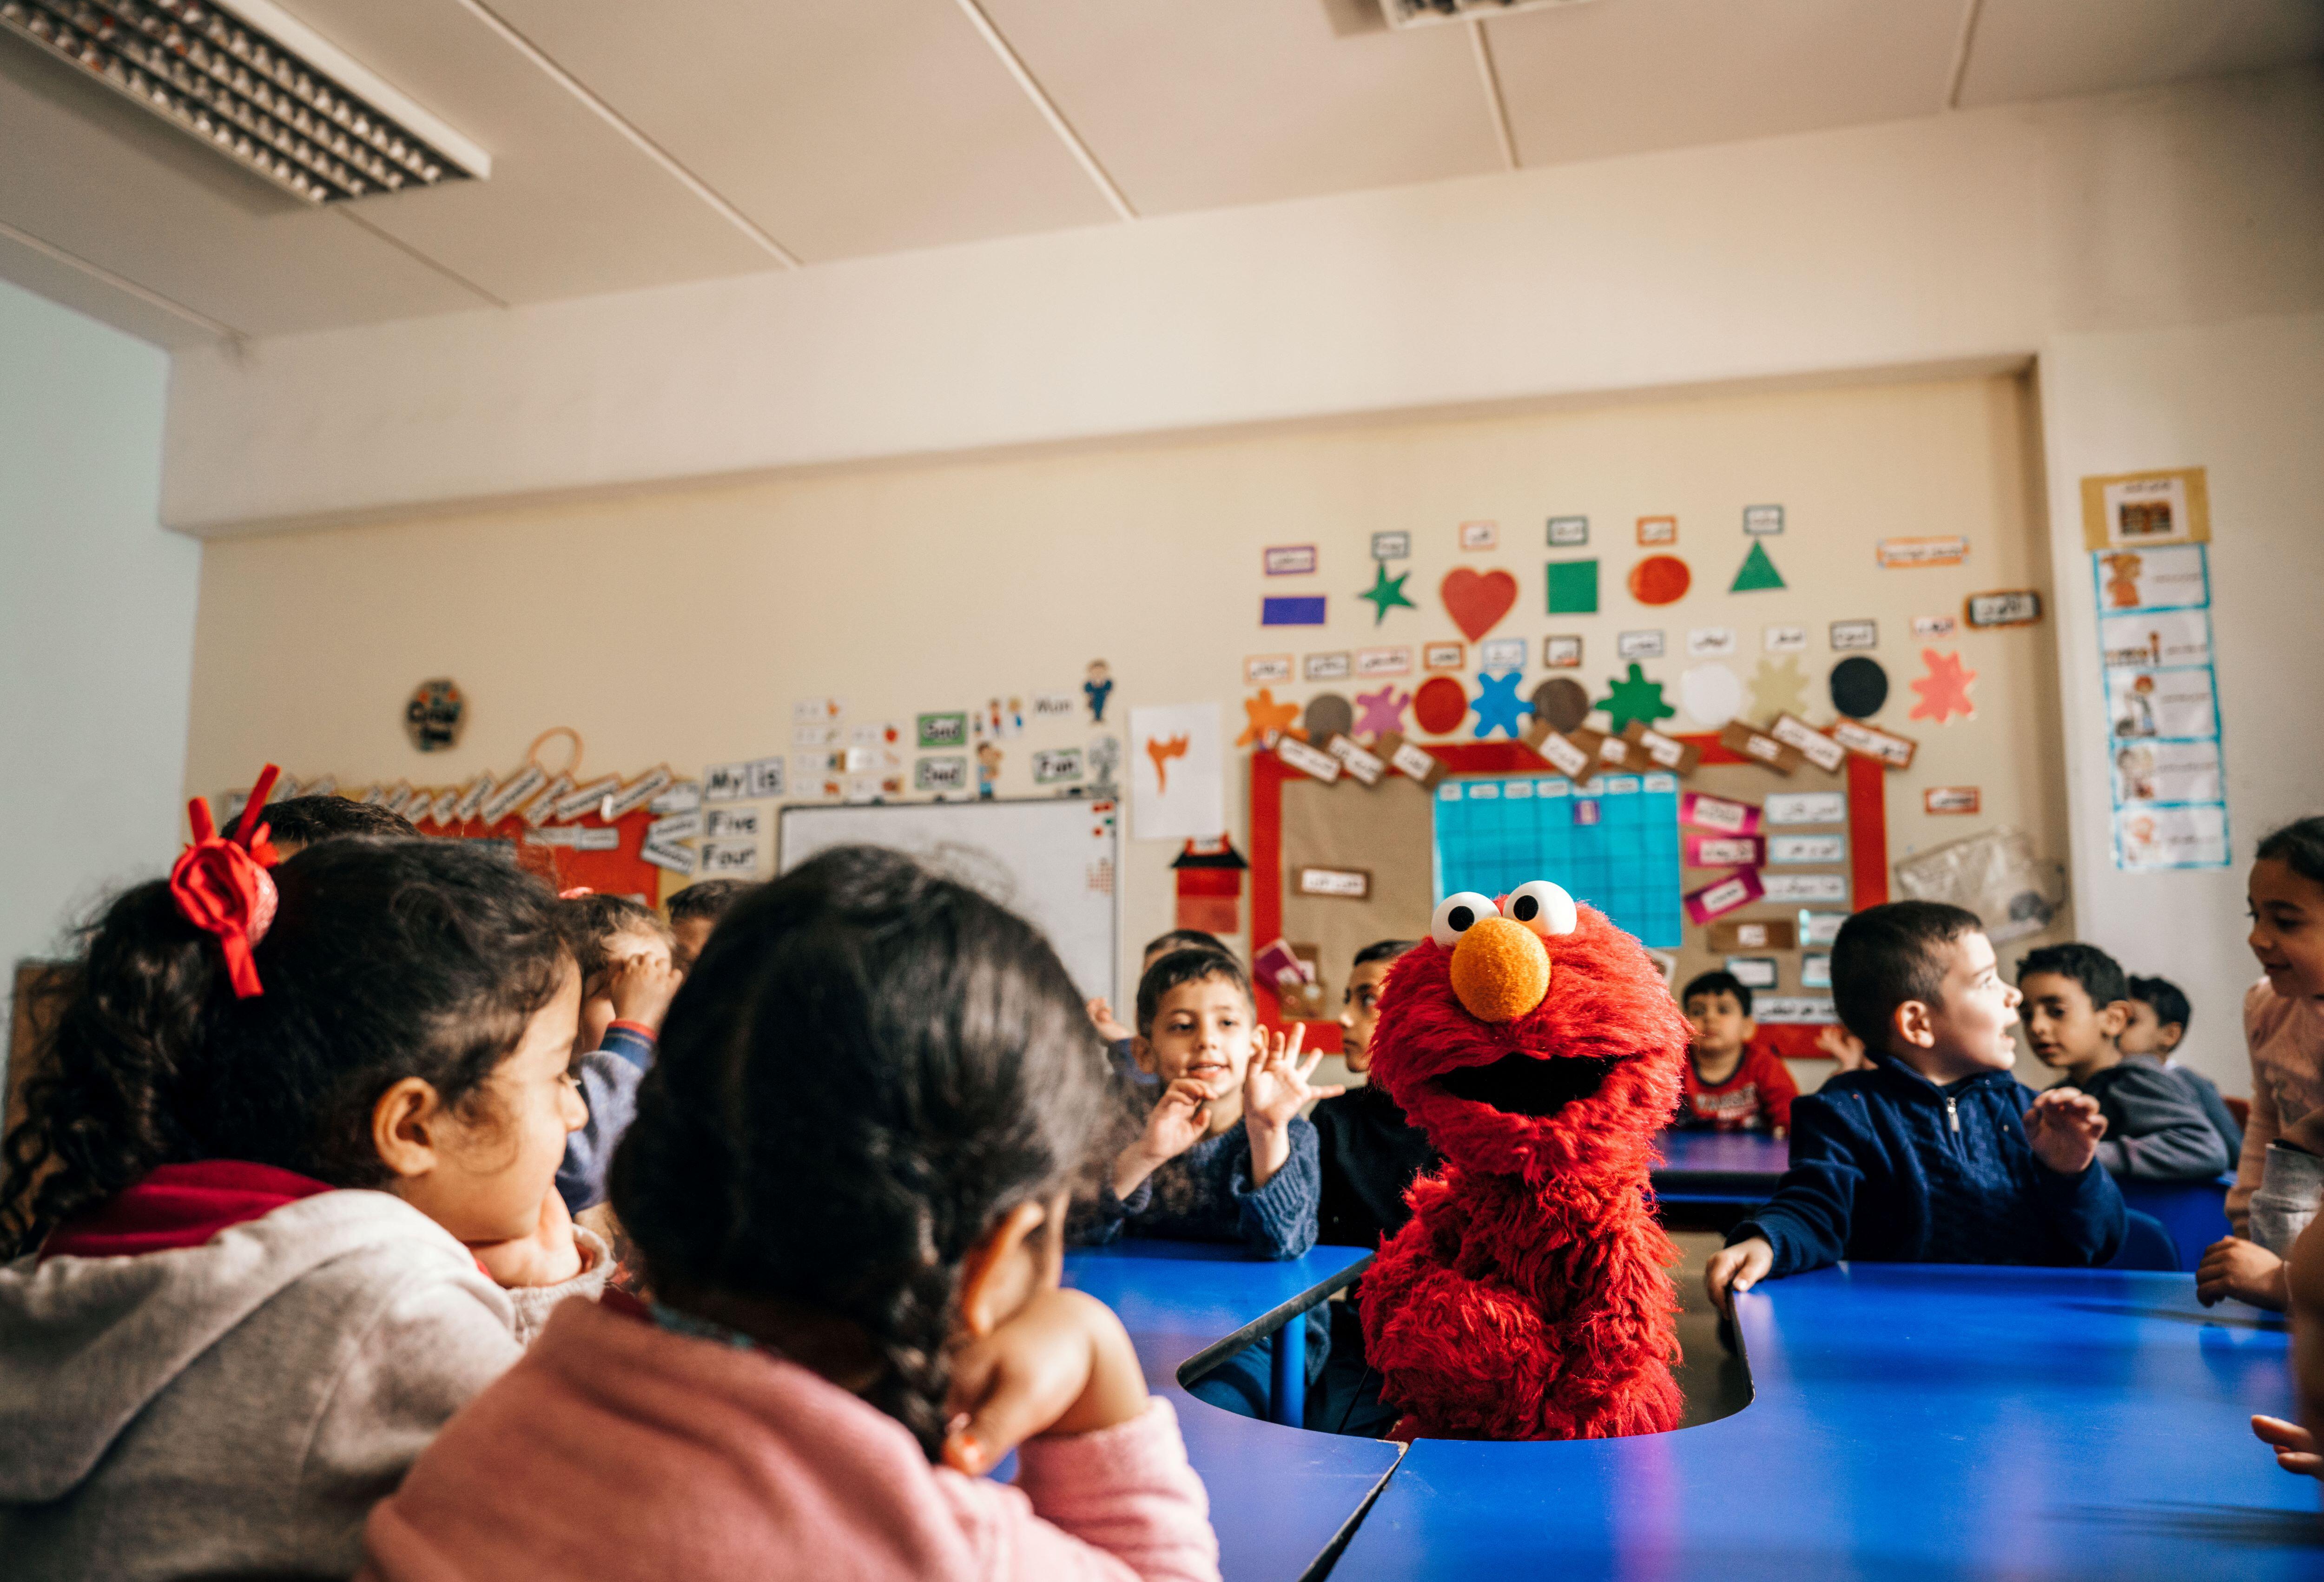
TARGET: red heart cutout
(1477,600)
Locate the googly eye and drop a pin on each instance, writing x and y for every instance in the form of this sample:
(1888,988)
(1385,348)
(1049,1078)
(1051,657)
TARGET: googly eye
(1542,907)
(1458,913)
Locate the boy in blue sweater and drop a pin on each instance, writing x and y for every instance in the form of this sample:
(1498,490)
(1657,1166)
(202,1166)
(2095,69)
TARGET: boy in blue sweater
(1933,1153)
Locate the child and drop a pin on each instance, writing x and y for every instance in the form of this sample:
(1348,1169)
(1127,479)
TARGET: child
(2159,1018)
(2076,1004)
(263,1207)
(1117,1036)
(1223,1154)
(694,911)
(845,1179)
(1731,1084)
(1368,1151)
(1933,1153)
(2284,1024)
(627,981)
(297,823)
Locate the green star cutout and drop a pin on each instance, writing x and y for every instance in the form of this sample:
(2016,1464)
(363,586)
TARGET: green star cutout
(1387,593)
(1635,698)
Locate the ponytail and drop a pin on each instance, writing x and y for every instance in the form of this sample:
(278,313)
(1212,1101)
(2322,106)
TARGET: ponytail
(385,960)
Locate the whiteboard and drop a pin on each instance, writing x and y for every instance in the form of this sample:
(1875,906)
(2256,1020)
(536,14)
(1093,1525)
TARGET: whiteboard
(1053,860)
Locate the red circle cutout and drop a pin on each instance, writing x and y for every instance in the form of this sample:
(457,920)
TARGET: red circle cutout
(1660,579)
(1440,705)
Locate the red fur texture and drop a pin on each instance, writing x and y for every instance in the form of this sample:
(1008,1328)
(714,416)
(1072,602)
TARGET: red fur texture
(1529,1295)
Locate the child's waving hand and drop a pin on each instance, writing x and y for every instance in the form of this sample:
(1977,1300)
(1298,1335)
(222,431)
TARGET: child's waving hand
(1273,1091)
(2064,1125)
(1179,1120)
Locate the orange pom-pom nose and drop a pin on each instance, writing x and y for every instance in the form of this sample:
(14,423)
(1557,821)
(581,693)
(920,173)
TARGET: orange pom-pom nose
(1500,969)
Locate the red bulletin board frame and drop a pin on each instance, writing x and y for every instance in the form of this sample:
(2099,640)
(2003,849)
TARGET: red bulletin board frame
(1868,854)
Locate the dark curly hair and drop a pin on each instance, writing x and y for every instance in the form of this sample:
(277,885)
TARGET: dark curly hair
(868,1068)
(592,924)
(301,822)
(386,960)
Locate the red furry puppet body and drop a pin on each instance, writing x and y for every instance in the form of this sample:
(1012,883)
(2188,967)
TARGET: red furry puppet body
(1528,1297)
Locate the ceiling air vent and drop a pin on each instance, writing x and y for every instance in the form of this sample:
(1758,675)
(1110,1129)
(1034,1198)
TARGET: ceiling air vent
(260,88)
(1422,13)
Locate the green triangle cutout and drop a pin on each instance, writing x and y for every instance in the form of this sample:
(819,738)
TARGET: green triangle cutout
(1758,571)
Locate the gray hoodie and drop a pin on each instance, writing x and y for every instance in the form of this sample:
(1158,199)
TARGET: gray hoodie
(240,1406)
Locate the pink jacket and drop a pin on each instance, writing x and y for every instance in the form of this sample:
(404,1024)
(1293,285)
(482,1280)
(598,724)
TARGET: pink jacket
(616,1451)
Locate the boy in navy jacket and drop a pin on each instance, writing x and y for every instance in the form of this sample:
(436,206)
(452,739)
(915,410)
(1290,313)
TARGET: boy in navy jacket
(1934,1154)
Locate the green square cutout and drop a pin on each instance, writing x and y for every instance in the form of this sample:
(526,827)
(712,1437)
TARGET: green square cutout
(1573,587)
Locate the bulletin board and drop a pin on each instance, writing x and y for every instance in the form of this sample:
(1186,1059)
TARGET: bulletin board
(1053,860)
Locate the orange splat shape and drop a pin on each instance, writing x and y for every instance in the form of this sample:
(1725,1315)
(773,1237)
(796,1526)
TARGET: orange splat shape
(1944,690)
(1162,753)
(1265,715)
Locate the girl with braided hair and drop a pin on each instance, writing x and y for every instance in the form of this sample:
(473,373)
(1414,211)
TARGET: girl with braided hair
(280,1203)
(846,1183)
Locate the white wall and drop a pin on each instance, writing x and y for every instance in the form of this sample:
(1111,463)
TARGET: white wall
(2247,401)
(96,621)
(1909,243)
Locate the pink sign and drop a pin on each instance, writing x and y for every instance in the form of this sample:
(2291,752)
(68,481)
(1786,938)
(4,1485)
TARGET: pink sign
(1716,900)
(1717,815)
(1726,851)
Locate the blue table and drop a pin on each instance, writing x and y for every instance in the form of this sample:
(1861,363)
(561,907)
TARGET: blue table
(1730,1168)
(1279,1496)
(1913,1423)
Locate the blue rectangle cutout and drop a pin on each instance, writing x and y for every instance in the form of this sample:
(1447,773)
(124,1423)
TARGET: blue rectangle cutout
(1304,610)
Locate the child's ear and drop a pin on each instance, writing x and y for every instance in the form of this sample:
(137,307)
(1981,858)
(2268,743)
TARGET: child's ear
(1142,1052)
(992,1286)
(1750,1028)
(402,1128)
(2168,1034)
(1915,1023)
(2114,1017)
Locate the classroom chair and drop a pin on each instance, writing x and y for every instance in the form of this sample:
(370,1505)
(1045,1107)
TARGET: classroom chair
(2146,1246)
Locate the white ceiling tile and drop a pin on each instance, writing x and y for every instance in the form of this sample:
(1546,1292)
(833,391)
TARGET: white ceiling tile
(1201,103)
(844,129)
(1618,77)
(86,170)
(2048,49)
(572,208)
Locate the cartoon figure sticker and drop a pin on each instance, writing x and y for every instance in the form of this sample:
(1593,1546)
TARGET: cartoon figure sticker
(1097,689)
(434,716)
(988,769)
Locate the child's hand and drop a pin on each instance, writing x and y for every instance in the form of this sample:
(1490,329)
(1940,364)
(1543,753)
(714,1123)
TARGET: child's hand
(548,1256)
(1845,1047)
(1062,1364)
(1737,1268)
(642,987)
(2064,1125)
(1273,1089)
(1102,1017)
(2295,1447)
(1179,1120)
(2244,1270)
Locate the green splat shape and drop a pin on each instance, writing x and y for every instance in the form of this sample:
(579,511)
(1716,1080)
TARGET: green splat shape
(1758,571)
(1634,698)
(1573,587)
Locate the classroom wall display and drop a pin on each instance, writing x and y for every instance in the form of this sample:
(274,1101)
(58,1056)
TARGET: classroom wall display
(2015,607)
(434,714)
(2154,656)
(1858,686)
(1380,713)
(1659,579)
(1571,586)
(1481,535)
(1328,715)
(1762,521)
(1634,697)
(1560,703)
(1444,657)
(1497,705)
(2147,510)
(1611,841)
(1177,781)
(1290,560)
(1336,666)
(1914,552)
(1208,876)
(1292,610)
(1440,705)
(1710,694)
(1391,546)
(1262,669)
(1568,532)
(1477,600)
(1848,635)
(1560,653)
(1995,873)
(1758,574)
(1263,717)
(1387,593)
(1945,689)
(1657,531)
(1388,661)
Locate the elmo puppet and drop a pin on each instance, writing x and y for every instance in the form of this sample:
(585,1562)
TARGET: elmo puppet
(1529,1296)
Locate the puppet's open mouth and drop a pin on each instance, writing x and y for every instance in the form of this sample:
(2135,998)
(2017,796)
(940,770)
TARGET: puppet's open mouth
(1529,1084)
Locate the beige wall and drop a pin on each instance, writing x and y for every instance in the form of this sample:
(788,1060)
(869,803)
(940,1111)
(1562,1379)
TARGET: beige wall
(681,625)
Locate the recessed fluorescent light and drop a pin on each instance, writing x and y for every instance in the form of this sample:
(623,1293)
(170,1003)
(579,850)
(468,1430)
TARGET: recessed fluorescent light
(258,86)
(1422,13)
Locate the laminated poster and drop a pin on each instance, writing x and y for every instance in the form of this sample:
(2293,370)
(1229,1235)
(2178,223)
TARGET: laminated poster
(1717,815)
(1716,900)
(1176,775)
(2165,764)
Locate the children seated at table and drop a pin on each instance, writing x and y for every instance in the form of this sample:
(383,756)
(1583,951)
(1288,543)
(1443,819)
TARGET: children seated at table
(846,1178)
(2160,1016)
(2077,1003)
(2283,1026)
(1368,1152)
(627,981)
(1933,1153)
(694,911)
(1732,1084)
(1223,1153)
(282,1202)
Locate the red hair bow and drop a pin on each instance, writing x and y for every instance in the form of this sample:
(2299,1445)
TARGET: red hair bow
(221,885)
